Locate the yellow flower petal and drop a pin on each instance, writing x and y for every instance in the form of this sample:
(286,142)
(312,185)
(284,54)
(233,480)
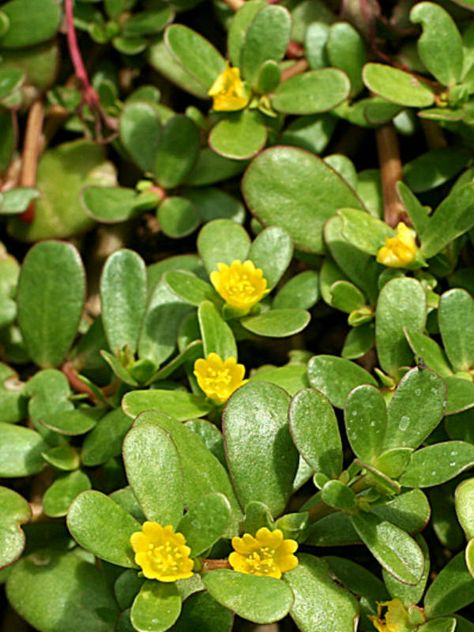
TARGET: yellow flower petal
(162,553)
(267,554)
(229,92)
(217,378)
(395,618)
(241,285)
(399,251)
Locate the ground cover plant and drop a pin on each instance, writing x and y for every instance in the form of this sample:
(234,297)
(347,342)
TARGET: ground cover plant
(236,316)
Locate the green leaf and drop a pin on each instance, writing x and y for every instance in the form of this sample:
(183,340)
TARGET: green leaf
(365,232)
(397,86)
(453,217)
(301,291)
(217,336)
(272,251)
(261,456)
(195,54)
(123,299)
(339,496)
(315,432)
(60,495)
(203,474)
(277,323)
(162,59)
(239,26)
(212,203)
(20,451)
(428,351)
(75,165)
(440,46)
(72,422)
(177,217)
(452,589)
(346,50)
(410,594)
(460,395)
(205,522)
(154,473)
(358,342)
(312,92)
(266,38)
(102,527)
(415,409)
(464,499)
(51,292)
(178,404)
(394,549)
(256,599)
(402,303)
(439,625)
(336,377)
(320,605)
(29,22)
(292,377)
(62,457)
(365,418)
(177,151)
(156,607)
(13,401)
(105,440)
(211,168)
(202,612)
(293,189)
(46,584)
(140,132)
(14,511)
(239,136)
(438,463)
(346,297)
(456,323)
(10,80)
(110,205)
(189,287)
(434,168)
(222,241)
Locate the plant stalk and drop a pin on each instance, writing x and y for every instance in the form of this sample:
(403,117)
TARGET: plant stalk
(32,148)
(391,172)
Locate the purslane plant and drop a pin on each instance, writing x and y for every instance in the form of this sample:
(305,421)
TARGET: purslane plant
(243,390)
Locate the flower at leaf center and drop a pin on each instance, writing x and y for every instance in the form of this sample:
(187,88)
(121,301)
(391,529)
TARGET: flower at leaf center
(229,92)
(399,251)
(219,378)
(241,285)
(267,554)
(162,553)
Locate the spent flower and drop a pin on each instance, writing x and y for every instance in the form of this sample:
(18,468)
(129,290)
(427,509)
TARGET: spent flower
(162,553)
(229,92)
(392,616)
(219,378)
(266,554)
(401,250)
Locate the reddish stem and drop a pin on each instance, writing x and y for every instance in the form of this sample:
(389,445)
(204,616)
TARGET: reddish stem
(31,151)
(213,565)
(391,172)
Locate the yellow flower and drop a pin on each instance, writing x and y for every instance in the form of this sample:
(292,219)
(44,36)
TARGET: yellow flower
(395,618)
(399,251)
(229,92)
(219,378)
(241,285)
(162,553)
(267,554)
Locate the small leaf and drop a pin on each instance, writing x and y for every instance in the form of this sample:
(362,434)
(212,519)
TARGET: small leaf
(202,612)
(320,605)
(365,417)
(217,336)
(464,499)
(105,440)
(51,292)
(177,151)
(140,131)
(42,24)
(156,607)
(272,251)
(438,463)
(452,589)
(256,599)
(60,495)
(20,451)
(346,50)
(402,303)
(277,323)
(440,46)
(336,377)
(154,473)
(261,456)
(111,205)
(460,395)
(394,549)
(123,299)
(177,217)
(189,287)
(456,323)
(397,86)
(365,232)
(178,404)
(301,291)
(222,241)
(239,136)
(314,428)
(205,522)
(14,511)
(239,26)
(312,92)
(102,527)
(434,168)
(429,351)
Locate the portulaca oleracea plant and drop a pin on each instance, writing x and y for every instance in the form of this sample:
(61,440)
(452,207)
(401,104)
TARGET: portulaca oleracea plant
(236,316)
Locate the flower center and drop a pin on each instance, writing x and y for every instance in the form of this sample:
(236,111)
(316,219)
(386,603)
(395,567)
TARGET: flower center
(240,287)
(217,378)
(165,558)
(261,560)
